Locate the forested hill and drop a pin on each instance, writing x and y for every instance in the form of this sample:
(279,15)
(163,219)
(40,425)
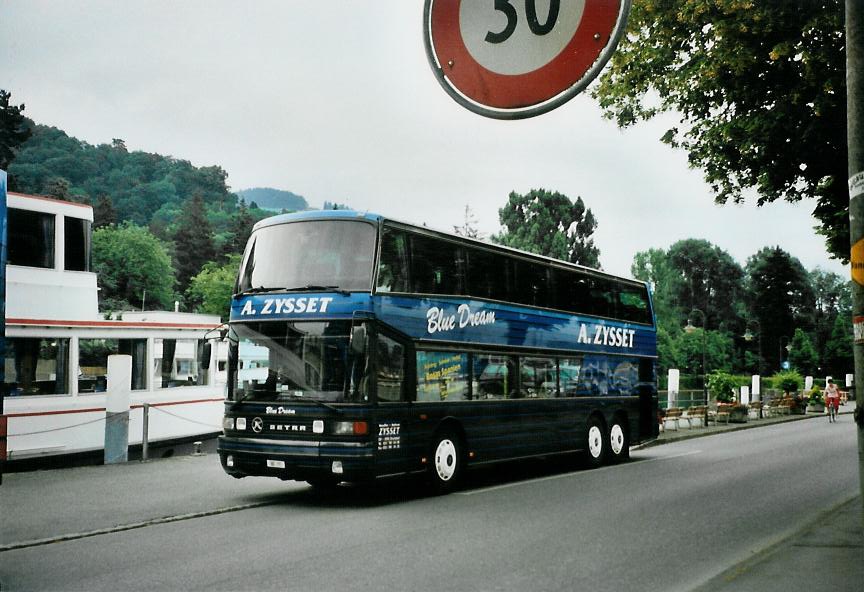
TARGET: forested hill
(142,187)
(277,200)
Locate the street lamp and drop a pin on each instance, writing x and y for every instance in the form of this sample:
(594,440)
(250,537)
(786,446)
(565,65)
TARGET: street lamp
(748,336)
(689,328)
(784,344)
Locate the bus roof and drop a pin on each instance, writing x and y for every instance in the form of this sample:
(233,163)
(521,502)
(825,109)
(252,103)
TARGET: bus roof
(309,215)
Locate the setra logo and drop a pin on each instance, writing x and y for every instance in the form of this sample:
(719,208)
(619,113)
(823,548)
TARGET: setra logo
(257,425)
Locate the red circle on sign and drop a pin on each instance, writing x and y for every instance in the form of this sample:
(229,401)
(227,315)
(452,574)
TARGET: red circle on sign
(503,91)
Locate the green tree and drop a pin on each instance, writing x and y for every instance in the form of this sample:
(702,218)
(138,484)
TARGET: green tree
(133,267)
(802,354)
(14,129)
(59,188)
(654,266)
(104,213)
(211,290)
(837,360)
(781,300)
(709,279)
(193,241)
(833,297)
(549,224)
(718,351)
(761,92)
(239,229)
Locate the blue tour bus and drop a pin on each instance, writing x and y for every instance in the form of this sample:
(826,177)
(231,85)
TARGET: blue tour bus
(362,347)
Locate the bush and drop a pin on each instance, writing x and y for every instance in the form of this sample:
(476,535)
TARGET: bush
(788,381)
(723,386)
(816,396)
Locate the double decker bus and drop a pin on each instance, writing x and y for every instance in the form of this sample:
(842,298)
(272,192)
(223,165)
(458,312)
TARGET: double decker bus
(363,347)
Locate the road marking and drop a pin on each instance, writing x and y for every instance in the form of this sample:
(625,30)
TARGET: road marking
(131,526)
(572,474)
(647,460)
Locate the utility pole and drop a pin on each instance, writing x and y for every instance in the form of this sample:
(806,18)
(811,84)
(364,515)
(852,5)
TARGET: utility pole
(855,140)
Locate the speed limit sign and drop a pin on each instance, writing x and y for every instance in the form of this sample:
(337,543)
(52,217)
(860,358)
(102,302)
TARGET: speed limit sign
(511,59)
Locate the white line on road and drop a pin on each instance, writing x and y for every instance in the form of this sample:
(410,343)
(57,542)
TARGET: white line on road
(132,526)
(572,474)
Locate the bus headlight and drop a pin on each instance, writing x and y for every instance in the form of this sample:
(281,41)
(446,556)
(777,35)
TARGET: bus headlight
(241,423)
(227,423)
(350,428)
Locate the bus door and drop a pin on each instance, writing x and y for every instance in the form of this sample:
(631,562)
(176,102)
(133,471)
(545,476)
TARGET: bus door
(397,433)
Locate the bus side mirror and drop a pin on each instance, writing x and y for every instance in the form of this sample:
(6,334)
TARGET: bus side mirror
(205,355)
(358,340)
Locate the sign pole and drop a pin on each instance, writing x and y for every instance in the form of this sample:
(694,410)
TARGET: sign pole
(855,139)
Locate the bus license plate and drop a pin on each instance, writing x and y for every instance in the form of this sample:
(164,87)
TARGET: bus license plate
(276,464)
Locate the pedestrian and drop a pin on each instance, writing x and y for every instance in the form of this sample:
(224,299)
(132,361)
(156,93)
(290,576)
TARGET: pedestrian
(832,400)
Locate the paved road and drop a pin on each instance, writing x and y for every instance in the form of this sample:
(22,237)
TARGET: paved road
(671,519)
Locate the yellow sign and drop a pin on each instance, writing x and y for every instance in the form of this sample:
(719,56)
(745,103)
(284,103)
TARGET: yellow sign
(857,262)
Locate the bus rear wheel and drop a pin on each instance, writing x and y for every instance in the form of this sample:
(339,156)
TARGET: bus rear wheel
(446,461)
(619,442)
(597,444)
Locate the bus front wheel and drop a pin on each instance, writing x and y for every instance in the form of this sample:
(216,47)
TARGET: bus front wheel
(445,466)
(597,444)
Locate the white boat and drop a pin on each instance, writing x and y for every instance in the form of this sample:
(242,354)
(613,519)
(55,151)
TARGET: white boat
(57,345)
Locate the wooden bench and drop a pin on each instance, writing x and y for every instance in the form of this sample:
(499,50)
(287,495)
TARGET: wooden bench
(724,411)
(755,408)
(779,407)
(673,415)
(695,413)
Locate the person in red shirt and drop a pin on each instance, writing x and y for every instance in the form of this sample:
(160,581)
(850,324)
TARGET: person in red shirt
(832,400)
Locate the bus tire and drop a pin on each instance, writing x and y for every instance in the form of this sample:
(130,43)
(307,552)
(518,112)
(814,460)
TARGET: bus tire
(596,442)
(446,461)
(619,440)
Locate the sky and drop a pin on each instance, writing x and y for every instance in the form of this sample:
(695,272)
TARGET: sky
(336,101)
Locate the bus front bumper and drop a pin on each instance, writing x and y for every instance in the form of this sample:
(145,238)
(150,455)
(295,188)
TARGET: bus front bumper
(296,459)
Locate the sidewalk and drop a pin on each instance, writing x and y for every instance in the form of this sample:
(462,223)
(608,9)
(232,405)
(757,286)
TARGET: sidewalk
(685,433)
(827,555)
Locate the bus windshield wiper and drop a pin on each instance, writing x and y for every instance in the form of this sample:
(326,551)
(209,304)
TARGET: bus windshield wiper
(294,397)
(259,290)
(316,287)
(245,397)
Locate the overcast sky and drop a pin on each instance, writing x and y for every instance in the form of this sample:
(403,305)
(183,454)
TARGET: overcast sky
(336,101)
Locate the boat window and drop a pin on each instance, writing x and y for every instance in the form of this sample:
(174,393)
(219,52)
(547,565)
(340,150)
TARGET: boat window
(93,362)
(37,366)
(30,238)
(77,244)
(177,362)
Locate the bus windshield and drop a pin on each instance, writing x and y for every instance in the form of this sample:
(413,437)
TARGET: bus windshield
(335,254)
(287,361)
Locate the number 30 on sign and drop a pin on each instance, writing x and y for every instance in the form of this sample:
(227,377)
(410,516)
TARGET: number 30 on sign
(511,59)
